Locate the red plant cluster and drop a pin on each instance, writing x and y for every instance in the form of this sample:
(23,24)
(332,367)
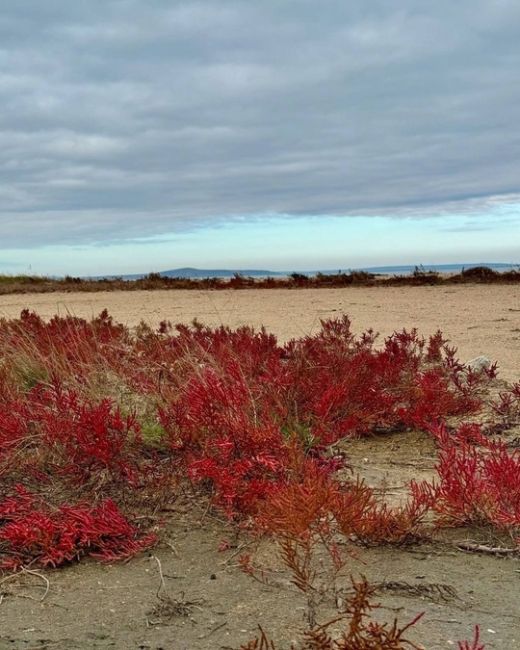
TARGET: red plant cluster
(361,630)
(479,479)
(507,406)
(32,532)
(246,420)
(54,433)
(227,437)
(318,504)
(346,386)
(243,400)
(232,410)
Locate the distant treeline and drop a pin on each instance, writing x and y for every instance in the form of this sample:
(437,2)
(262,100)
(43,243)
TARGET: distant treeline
(155,281)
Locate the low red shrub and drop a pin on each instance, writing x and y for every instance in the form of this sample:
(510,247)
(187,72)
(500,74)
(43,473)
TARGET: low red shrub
(63,435)
(32,532)
(246,417)
(479,479)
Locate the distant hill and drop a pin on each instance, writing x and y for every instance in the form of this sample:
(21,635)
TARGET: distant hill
(188,272)
(197,274)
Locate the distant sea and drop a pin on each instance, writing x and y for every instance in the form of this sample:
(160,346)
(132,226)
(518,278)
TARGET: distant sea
(406,269)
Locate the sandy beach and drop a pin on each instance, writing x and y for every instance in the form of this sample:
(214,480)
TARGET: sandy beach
(478,319)
(224,606)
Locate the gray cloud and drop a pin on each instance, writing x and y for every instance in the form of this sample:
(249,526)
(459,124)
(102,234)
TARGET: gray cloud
(125,119)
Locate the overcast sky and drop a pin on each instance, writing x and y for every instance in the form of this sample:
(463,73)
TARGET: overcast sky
(149,133)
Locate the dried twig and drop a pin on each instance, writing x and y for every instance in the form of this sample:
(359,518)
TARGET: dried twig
(42,577)
(24,571)
(471,547)
(162,585)
(213,630)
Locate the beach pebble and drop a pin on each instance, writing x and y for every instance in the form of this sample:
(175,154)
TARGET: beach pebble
(479,363)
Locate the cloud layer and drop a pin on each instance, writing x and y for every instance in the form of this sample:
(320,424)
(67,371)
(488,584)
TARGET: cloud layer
(124,119)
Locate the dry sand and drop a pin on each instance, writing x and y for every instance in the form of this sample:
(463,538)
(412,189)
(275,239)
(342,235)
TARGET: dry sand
(478,319)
